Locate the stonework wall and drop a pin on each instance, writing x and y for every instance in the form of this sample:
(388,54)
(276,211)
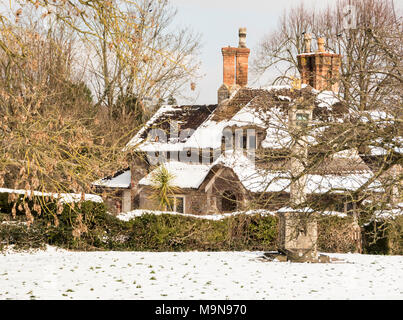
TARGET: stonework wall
(195,201)
(202,201)
(228,182)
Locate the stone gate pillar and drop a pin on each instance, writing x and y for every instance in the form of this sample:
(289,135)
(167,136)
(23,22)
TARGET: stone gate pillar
(298,231)
(298,235)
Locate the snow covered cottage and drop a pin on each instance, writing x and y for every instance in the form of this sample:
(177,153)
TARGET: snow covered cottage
(235,155)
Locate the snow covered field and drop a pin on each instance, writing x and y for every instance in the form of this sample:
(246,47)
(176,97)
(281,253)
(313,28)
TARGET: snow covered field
(60,274)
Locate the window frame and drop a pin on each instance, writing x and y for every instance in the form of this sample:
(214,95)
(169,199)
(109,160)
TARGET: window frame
(174,204)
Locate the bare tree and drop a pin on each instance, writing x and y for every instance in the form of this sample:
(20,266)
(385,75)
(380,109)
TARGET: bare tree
(363,76)
(53,136)
(370,99)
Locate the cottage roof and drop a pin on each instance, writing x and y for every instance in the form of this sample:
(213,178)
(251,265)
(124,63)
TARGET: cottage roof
(258,179)
(120,179)
(188,117)
(266,108)
(185,175)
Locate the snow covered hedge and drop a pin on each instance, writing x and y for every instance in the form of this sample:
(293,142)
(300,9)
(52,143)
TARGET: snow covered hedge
(51,225)
(90,227)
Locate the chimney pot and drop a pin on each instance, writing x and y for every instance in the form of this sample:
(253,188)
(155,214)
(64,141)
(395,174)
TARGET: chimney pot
(320,69)
(242,38)
(321,45)
(307,40)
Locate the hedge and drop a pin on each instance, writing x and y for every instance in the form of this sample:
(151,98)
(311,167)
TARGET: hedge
(98,230)
(384,237)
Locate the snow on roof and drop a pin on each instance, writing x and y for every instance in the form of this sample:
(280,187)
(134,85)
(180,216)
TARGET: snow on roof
(277,132)
(186,175)
(64,197)
(259,180)
(243,109)
(252,178)
(256,179)
(340,183)
(347,154)
(209,134)
(277,135)
(384,148)
(388,213)
(378,116)
(121,180)
(188,117)
(137,138)
(326,99)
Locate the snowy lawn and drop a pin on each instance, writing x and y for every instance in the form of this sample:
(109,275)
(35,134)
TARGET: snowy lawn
(60,274)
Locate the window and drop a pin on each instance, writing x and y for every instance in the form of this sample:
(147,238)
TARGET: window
(177,204)
(136,202)
(302,117)
(339,207)
(244,142)
(350,207)
(345,206)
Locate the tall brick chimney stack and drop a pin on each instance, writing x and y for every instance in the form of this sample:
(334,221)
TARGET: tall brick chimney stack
(228,55)
(242,56)
(319,69)
(235,67)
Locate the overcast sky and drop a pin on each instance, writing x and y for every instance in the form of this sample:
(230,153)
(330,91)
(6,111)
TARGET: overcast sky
(218,21)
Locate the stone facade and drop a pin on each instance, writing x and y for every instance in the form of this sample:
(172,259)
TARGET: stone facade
(220,192)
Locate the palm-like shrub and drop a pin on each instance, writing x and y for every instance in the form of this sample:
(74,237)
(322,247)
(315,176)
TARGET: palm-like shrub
(163,187)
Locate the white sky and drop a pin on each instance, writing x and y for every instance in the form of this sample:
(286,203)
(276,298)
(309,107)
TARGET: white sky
(218,22)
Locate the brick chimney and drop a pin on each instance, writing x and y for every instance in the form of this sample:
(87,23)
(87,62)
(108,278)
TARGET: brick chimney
(319,69)
(242,56)
(228,54)
(235,67)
